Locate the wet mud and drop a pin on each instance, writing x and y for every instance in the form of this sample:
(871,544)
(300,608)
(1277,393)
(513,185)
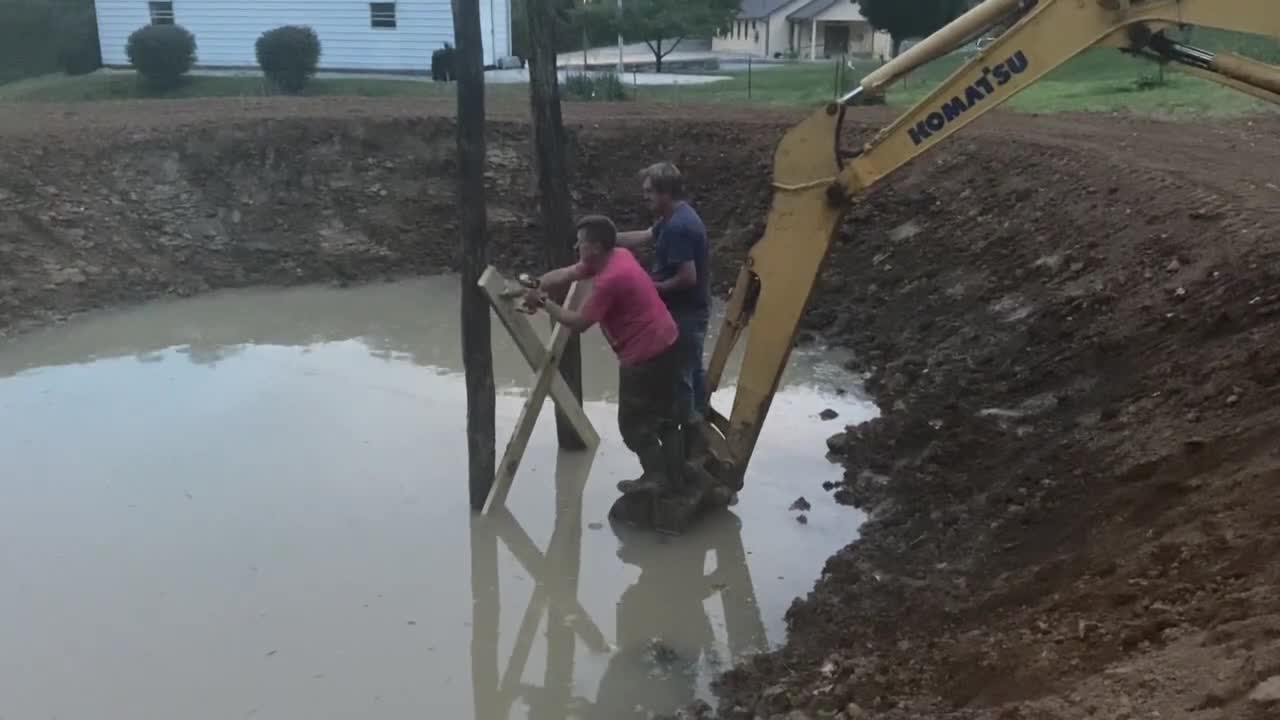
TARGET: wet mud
(1068,323)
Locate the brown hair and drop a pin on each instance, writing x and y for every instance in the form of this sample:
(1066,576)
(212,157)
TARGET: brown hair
(599,230)
(665,178)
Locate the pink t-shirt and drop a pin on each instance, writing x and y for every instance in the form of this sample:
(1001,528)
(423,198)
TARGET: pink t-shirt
(631,315)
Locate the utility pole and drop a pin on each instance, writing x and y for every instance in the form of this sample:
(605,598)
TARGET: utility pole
(621,66)
(554,200)
(477,351)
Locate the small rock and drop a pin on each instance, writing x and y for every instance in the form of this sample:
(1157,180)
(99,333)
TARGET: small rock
(828,414)
(802,519)
(1077,266)
(1233,400)
(595,526)
(1174,266)
(800,504)
(905,231)
(854,711)
(1267,692)
(838,444)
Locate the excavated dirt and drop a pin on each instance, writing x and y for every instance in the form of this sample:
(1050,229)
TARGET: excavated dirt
(1070,325)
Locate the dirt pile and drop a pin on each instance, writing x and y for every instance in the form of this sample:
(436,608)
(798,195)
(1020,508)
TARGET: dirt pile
(1070,325)
(1074,483)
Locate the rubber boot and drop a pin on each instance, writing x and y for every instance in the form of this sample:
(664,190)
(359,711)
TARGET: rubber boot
(673,448)
(654,466)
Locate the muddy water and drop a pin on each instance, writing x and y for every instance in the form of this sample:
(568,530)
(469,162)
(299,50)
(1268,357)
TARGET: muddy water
(254,505)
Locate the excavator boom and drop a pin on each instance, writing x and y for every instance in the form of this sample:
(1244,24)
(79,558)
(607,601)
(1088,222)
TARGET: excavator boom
(814,181)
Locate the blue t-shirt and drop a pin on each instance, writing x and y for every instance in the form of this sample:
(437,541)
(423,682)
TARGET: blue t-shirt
(679,239)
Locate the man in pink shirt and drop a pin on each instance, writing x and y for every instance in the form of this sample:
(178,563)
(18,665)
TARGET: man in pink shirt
(636,323)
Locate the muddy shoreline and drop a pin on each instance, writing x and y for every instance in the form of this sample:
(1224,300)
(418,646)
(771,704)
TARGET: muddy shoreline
(1069,325)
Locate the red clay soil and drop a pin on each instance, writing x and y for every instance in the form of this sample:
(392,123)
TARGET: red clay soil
(1070,324)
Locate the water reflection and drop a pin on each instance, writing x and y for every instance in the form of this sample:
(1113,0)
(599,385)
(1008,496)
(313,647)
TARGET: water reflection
(664,647)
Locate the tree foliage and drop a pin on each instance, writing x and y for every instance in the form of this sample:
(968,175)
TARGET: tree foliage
(40,36)
(904,19)
(660,24)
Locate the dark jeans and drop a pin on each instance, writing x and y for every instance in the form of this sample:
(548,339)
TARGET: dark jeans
(693,377)
(648,409)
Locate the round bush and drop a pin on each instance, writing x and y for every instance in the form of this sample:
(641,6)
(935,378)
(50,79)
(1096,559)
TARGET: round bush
(162,54)
(288,56)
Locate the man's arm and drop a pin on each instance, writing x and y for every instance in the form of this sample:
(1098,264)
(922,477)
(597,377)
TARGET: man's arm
(686,276)
(572,319)
(633,239)
(578,321)
(553,281)
(680,252)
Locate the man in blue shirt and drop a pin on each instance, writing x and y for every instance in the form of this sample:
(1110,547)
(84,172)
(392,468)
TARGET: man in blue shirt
(679,273)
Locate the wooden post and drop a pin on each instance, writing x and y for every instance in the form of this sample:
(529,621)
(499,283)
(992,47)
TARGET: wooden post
(477,351)
(553,180)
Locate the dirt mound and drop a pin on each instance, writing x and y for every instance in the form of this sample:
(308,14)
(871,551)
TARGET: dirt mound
(1070,325)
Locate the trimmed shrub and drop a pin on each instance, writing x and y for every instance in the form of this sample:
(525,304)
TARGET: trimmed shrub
(442,64)
(162,54)
(288,56)
(603,86)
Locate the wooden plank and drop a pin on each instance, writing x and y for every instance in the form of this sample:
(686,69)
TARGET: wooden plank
(530,346)
(532,407)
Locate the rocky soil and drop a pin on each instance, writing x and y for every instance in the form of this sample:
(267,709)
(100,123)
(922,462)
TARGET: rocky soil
(1070,325)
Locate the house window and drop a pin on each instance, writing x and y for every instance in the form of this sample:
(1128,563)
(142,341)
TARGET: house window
(382,15)
(161,13)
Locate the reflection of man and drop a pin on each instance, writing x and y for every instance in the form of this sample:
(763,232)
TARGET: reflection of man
(663,633)
(624,302)
(680,274)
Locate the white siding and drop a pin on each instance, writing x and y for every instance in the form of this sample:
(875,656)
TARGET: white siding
(226,30)
(769,37)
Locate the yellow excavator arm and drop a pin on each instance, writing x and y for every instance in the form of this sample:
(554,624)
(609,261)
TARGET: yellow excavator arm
(814,180)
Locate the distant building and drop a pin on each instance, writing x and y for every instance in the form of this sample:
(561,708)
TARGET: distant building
(361,36)
(802,28)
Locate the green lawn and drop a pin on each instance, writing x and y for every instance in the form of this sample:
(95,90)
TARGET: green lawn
(1099,80)
(125,86)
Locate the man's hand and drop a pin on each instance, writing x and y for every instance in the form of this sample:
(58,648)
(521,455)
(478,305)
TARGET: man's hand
(534,299)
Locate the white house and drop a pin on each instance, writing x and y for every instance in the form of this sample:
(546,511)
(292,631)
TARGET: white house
(802,28)
(354,35)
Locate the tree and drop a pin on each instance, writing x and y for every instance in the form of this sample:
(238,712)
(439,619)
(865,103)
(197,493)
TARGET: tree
(654,22)
(553,178)
(477,351)
(904,19)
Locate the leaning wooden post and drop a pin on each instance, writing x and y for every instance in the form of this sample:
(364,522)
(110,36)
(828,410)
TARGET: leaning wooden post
(547,380)
(477,351)
(553,179)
